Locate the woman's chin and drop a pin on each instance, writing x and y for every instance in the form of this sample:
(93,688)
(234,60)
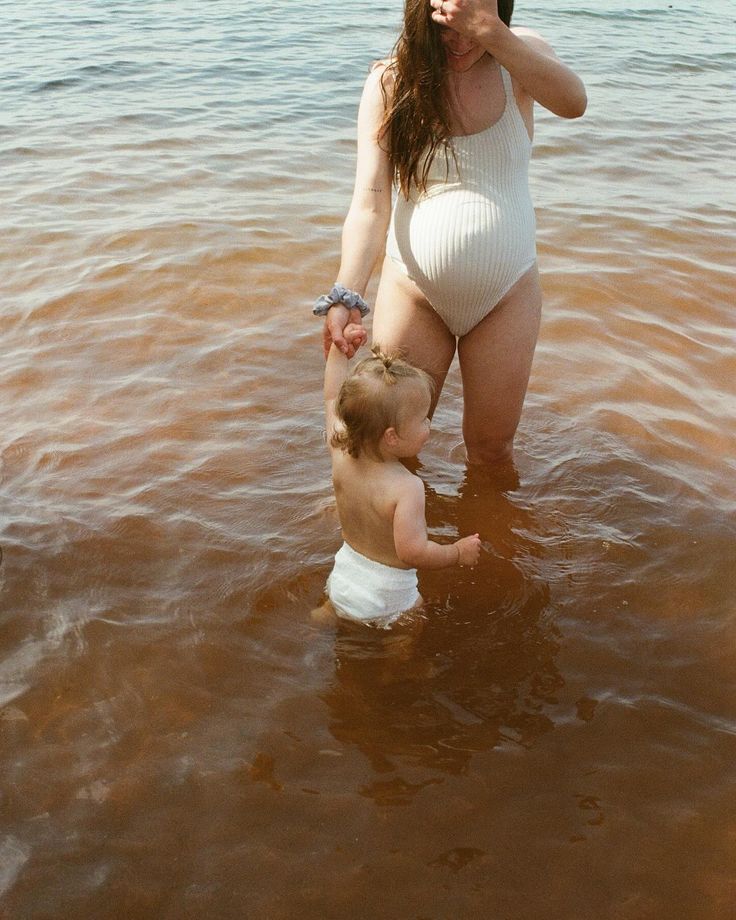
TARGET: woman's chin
(462,62)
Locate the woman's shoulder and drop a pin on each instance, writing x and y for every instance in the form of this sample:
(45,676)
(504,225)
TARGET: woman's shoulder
(379,83)
(382,65)
(532,37)
(381,73)
(525,31)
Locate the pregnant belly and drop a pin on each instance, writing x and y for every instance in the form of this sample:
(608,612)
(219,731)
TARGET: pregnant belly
(459,233)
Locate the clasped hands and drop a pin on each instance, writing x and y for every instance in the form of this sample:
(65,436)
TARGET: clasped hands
(343,327)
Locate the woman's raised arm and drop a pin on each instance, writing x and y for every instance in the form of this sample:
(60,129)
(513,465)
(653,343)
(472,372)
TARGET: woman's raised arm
(526,55)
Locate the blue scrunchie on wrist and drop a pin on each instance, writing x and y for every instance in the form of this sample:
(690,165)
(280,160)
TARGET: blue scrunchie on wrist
(340,295)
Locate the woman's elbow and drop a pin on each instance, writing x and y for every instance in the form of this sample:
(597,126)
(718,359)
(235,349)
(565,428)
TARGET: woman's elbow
(379,208)
(576,103)
(580,106)
(376,215)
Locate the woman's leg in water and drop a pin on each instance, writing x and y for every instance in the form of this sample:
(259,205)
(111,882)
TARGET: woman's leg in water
(404,321)
(495,363)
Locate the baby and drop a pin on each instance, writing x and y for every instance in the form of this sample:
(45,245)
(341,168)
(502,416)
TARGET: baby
(375,417)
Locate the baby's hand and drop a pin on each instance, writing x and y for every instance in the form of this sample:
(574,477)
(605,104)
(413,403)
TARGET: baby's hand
(355,335)
(468,550)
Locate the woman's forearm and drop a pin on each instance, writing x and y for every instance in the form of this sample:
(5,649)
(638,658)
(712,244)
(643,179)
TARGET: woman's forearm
(363,242)
(544,77)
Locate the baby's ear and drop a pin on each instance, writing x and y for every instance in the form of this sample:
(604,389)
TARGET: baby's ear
(390,437)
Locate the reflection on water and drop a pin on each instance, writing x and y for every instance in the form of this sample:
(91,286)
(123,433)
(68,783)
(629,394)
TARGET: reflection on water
(177,739)
(479,673)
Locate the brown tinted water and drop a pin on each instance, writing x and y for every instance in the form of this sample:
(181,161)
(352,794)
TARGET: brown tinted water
(177,738)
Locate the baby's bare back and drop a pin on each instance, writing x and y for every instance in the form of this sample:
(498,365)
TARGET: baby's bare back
(367,492)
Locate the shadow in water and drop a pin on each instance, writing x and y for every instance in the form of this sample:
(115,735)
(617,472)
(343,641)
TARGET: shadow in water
(477,671)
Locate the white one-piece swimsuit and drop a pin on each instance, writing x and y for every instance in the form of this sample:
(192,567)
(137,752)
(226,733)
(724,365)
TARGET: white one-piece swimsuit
(470,237)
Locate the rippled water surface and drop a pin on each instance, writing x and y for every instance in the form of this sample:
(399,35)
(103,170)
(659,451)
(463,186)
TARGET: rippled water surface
(176,738)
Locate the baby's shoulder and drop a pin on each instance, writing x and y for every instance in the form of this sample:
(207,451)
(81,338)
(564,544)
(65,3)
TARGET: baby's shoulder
(402,484)
(343,465)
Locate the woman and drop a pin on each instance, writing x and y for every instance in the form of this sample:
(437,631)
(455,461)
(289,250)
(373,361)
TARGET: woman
(449,119)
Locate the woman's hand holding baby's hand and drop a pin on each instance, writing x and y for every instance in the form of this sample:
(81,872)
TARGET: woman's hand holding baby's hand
(468,550)
(338,319)
(355,335)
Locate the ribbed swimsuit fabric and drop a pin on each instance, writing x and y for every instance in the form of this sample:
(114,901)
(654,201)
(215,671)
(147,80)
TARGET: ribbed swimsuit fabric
(471,236)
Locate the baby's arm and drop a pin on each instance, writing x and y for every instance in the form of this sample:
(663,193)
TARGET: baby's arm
(413,546)
(336,368)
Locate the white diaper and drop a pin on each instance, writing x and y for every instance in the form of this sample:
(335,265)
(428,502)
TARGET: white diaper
(370,592)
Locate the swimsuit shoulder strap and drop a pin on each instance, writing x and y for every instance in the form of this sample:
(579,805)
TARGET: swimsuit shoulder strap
(508,85)
(511,105)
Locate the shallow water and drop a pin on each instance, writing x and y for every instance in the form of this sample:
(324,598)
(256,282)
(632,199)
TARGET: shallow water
(177,738)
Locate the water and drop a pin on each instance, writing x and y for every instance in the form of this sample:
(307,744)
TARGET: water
(177,739)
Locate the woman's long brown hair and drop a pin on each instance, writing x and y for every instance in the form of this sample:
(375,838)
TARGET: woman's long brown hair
(416,125)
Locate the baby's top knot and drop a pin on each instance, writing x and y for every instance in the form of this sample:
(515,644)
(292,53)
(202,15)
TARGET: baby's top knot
(386,360)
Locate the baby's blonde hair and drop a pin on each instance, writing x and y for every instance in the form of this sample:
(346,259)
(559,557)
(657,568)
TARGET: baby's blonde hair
(371,400)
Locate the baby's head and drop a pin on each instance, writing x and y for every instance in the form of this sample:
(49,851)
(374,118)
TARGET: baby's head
(384,395)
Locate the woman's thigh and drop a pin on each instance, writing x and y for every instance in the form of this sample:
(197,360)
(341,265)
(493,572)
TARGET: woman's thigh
(404,321)
(495,363)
